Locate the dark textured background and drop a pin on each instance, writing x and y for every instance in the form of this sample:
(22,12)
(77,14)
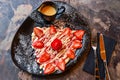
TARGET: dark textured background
(103,16)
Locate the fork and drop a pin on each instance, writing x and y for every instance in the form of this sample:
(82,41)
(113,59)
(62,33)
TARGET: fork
(94,46)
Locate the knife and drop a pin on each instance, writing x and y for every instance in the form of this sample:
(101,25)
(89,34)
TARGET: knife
(103,55)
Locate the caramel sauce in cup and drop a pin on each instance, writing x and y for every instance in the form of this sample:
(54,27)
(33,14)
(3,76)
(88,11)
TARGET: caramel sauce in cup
(49,10)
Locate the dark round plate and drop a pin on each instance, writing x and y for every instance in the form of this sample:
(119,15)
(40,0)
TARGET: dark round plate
(21,50)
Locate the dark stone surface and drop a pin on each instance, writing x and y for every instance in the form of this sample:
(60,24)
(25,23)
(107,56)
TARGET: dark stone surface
(103,16)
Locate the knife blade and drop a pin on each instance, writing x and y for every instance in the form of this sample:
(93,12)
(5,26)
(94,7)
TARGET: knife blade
(102,49)
(103,56)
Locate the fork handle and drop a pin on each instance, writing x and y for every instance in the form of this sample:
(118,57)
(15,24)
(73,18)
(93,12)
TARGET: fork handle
(97,75)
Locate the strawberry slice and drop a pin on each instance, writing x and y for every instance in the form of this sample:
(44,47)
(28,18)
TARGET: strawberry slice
(38,32)
(79,34)
(76,44)
(67,31)
(44,57)
(70,54)
(61,64)
(38,44)
(56,44)
(52,30)
(49,68)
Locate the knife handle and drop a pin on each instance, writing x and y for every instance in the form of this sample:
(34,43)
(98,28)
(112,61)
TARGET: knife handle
(107,72)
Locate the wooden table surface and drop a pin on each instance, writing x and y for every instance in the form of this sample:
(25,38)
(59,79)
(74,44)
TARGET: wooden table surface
(103,16)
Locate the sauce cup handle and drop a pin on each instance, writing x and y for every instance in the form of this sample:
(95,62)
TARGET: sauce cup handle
(61,10)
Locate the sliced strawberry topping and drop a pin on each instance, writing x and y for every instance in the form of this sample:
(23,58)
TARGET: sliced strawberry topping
(56,44)
(76,44)
(79,34)
(49,68)
(70,54)
(38,44)
(38,32)
(44,57)
(67,31)
(61,64)
(52,30)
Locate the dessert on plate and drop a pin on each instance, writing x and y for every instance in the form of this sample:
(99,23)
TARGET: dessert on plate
(55,46)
